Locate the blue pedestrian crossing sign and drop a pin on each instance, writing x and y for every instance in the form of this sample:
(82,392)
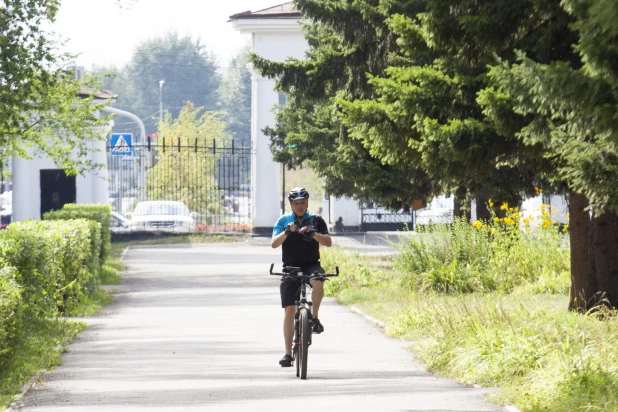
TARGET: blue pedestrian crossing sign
(122,144)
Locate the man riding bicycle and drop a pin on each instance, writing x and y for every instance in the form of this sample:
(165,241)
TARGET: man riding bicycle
(301,234)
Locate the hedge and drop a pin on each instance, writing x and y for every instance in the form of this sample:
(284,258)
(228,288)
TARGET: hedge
(48,266)
(60,266)
(96,212)
(10,299)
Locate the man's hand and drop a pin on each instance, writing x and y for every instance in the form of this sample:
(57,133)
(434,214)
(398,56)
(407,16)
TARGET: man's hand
(291,227)
(308,233)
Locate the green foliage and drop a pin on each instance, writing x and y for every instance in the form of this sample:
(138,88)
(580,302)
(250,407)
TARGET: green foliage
(41,112)
(180,175)
(348,40)
(67,249)
(538,355)
(496,256)
(354,271)
(95,212)
(46,341)
(10,301)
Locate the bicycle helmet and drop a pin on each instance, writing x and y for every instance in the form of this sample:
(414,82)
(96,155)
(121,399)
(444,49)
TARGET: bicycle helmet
(298,193)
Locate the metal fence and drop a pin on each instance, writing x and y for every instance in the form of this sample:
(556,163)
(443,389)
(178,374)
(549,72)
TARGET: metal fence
(213,181)
(376,218)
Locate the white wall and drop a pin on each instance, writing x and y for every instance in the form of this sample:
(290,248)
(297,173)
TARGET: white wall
(347,209)
(91,187)
(276,40)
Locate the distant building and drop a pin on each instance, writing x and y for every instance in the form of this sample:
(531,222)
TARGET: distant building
(39,185)
(277,35)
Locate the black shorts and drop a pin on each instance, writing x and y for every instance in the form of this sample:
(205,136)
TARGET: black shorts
(290,287)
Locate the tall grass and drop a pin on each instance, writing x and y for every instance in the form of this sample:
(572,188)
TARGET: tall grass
(487,303)
(498,256)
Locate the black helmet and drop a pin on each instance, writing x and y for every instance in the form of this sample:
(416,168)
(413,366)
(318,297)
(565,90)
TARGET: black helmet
(298,193)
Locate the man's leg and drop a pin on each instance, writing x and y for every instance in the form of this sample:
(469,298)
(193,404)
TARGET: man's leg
(316,296)
(288,328)
(288,289)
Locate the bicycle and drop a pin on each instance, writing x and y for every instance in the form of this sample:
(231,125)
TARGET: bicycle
(302,316)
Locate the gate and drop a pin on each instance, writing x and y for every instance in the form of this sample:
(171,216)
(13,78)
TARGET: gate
(376,218)
(213,181)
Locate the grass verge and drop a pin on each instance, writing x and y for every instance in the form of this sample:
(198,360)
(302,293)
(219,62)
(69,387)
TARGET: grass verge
(40,350)
(526,344)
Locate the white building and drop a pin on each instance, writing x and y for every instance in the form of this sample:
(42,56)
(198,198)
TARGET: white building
(39,185)
(277,35)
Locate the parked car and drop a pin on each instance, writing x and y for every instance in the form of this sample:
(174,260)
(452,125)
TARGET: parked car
(162,216)
(120,224)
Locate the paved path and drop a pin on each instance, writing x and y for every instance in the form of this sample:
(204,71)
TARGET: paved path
(198,328)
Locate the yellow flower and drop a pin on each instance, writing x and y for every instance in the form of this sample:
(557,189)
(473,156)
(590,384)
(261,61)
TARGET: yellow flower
(504,206)
(538,191)
(527,229)
(490,203)
(497,219)
(565,228)
(477,224)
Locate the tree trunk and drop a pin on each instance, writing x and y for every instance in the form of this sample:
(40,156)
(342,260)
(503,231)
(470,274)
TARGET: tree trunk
(604,255)
(582,284)
(482,197)
(459,209)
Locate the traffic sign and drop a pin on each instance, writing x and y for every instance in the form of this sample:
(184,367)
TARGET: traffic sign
(122,144)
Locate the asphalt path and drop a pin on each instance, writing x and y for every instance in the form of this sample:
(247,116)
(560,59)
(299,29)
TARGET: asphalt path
(199,328)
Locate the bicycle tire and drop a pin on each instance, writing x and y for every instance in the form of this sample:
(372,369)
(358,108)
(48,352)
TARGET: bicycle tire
(297,360)
(305,337)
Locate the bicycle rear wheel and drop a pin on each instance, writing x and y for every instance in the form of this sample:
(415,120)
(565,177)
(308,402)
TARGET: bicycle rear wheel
(305,338)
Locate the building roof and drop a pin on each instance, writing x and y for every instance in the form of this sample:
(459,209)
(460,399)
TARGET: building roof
(89,91)
(282,11)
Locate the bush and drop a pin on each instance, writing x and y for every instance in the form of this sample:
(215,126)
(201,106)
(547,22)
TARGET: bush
(499,255)
(32,255)
(98,213)
(62,256)
(10,299)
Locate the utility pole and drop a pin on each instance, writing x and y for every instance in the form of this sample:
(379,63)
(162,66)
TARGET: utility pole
(161,100)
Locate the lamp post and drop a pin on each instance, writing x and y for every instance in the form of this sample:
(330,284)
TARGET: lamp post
(161,100)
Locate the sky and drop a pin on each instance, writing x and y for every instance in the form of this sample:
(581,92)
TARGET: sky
(105,32)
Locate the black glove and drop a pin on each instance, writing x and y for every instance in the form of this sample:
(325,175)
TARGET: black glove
(309,234)
(287,229)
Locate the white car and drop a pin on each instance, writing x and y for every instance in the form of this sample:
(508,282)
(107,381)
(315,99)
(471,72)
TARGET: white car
(162,216)
(120,224)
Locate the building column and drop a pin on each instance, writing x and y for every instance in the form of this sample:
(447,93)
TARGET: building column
(265,172)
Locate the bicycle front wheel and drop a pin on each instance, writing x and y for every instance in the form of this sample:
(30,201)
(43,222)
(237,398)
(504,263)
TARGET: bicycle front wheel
(305,338)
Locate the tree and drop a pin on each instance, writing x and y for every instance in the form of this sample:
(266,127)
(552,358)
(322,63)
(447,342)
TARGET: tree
(235,95)
(572,113)
(40,111)
(347,40)
(434,104)
(186,66)
(185,165)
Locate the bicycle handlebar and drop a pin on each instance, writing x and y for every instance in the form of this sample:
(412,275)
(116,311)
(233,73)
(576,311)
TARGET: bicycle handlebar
(294,270)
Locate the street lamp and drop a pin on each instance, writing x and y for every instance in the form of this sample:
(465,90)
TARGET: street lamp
(161,100)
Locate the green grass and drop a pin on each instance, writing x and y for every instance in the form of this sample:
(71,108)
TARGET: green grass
(40,350)
(513,334)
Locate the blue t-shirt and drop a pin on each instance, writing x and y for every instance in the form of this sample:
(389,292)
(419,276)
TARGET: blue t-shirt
(295,250)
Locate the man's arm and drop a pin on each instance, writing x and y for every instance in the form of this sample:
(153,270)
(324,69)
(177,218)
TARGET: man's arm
(278,240)
(323,240)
